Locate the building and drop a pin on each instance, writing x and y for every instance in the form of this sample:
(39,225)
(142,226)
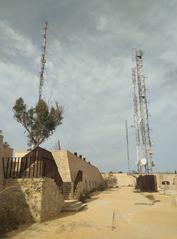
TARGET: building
(79,176)
(32,188)
(38,163)
(5,151)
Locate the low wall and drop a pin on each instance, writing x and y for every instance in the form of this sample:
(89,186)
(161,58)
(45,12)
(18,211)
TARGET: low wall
(165,177)
(92,178)
(1,175)
(120,179)
(170,177)
(69,165)
(28,200)
(124,179)
(5,151)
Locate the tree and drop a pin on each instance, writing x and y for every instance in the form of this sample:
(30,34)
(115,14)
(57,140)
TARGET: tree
(39,122)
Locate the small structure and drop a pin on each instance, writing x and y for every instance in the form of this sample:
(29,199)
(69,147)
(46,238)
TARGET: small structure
(78,175)
(5,151)
(146,183)
(164,179)
(32,188)
(38,163)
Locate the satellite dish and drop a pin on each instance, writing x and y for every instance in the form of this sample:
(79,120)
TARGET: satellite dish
(143,162)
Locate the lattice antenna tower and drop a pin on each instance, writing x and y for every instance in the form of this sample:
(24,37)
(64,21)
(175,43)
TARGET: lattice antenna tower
(141,115)
(136,118)
(43,60)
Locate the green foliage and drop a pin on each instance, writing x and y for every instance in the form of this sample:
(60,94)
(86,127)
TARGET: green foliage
(40,122)
(110,180)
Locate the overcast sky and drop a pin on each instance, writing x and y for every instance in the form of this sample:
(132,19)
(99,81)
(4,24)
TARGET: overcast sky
(89,60)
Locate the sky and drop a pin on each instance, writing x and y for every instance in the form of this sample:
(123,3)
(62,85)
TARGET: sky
(90,50)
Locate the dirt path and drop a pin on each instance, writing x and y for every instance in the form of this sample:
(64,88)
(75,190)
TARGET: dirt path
(134,218)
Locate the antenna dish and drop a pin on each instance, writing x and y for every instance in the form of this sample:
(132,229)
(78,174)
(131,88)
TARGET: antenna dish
(139,53)
(143,162)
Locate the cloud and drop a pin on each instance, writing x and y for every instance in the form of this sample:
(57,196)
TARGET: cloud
(14,42)
(101,23)
(89,60)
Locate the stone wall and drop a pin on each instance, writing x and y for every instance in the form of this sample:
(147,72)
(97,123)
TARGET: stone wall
(29,200)
(123,179)
(91,175)
(5,151)
(52,200)
(170,177)
(1,175)
(69,165)
(61,159)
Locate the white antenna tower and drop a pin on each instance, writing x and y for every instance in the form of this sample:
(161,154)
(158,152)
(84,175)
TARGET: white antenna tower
(141,116)
(43,61)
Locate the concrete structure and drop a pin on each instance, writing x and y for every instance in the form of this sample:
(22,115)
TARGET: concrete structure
(5,151)
(168,177)
(78,175)
(31,190)
(40,164)
(124,179)
(120,179)
(37,163)
(1,175)
(29,200)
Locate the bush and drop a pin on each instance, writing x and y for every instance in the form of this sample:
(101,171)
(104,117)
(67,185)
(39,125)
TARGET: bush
(111,181)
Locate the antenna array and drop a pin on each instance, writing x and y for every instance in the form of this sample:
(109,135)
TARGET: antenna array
(43,61)
(141,116)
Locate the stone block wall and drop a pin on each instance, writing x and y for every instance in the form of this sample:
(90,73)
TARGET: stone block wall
(92,178)
(5,151)
(61,159)
(29,200)
(123,179)
(1,175)
(69,165)
(170,177)
(52,200)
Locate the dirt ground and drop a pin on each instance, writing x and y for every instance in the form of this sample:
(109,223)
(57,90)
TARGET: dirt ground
(118,213)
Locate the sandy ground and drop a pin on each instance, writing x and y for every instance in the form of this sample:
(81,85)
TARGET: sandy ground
(118,213)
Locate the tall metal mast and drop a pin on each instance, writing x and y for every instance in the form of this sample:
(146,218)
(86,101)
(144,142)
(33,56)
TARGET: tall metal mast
(141,115)
(136,118)
(43,60)
(127,142)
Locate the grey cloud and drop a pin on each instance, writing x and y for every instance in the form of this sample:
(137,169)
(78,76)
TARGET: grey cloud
(89,60)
